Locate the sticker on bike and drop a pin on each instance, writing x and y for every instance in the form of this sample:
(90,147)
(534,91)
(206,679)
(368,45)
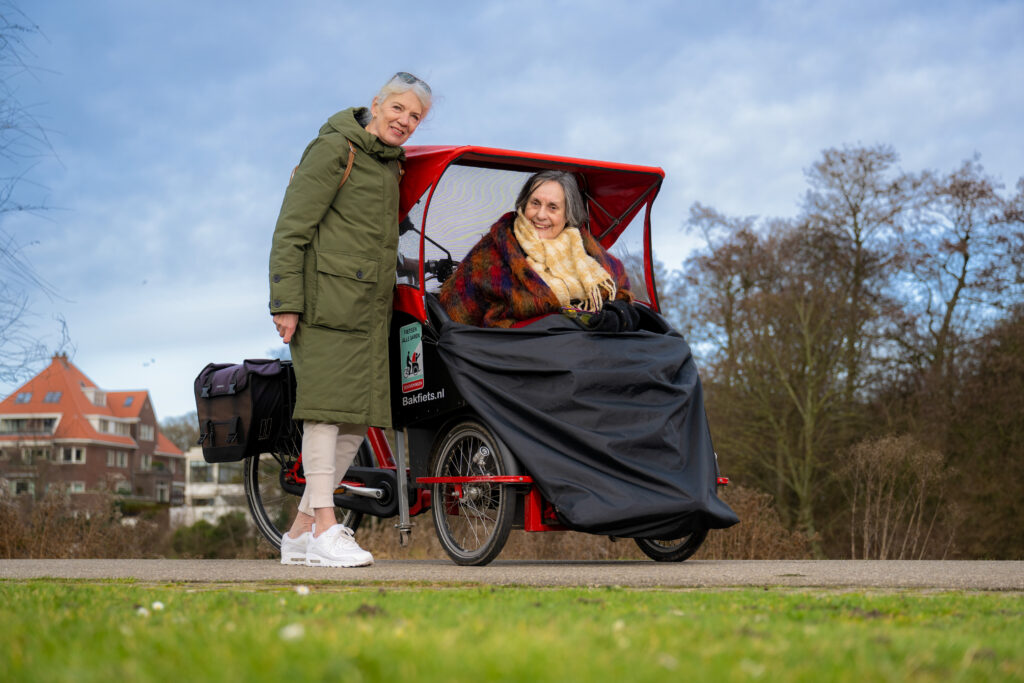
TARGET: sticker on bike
(411,357)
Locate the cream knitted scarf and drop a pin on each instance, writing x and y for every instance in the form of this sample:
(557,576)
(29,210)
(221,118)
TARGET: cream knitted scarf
(565,266)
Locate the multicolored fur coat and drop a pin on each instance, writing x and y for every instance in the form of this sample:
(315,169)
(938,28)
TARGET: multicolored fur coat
(495,286)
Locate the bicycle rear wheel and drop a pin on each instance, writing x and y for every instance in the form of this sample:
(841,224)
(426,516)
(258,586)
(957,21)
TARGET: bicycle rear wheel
(672,550)
(273,495)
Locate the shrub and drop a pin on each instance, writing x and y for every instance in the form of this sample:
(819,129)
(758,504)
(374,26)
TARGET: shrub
(760,535)
(897,492)
(93,528)
(231,537)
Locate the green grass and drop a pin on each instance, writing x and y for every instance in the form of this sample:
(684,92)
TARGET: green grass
(111,631)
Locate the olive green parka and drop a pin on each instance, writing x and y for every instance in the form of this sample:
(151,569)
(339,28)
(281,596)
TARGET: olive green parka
(333,262)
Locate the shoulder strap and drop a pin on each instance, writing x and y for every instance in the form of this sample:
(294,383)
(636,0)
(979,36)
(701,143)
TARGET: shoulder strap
(348,166)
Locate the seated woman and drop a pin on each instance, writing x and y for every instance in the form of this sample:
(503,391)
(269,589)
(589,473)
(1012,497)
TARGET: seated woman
(535,261)
(611,426)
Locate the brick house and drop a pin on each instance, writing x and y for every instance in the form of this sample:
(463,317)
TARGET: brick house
(212,490)
(61,429)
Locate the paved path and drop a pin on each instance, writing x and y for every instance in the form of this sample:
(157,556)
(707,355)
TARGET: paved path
(994,576)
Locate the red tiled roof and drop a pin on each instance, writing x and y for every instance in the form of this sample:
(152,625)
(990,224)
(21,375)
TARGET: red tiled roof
(127,403)
(61,376)
(165,446)
(64,383)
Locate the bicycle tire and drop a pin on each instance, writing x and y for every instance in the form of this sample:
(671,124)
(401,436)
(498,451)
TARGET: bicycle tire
(472,524)
(672,550)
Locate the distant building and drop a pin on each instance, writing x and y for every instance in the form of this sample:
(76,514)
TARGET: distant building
(61,429)
(212,490)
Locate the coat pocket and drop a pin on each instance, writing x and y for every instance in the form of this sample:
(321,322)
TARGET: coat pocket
(346,285)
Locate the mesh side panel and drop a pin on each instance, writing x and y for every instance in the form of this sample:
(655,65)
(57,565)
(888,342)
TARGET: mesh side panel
(466,203)
(629,248)
(468,200)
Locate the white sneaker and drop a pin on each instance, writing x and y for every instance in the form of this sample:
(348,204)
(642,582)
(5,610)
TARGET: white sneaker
(293,550)
(336,547)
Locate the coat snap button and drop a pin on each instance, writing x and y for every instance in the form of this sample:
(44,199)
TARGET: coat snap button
(277,278)
(359,274)
(277,303)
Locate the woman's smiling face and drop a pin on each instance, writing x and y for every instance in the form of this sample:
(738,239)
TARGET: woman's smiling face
(396,118)
(545,209)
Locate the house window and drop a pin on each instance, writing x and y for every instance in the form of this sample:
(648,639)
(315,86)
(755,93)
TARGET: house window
(20,486)
(28,425)
(52,397)
(31,455)
(146,462)
(113,427)
(128,401)
(163,493)
(200,473)
(117,459)
(146,432)
(23,397)
(76,487)
(229,473)
(72,455)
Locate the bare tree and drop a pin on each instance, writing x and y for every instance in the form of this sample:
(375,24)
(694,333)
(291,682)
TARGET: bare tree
(985,441)
(772,309)
(803,324)
(960,264)
(22,141)
(857,201)
(182,430)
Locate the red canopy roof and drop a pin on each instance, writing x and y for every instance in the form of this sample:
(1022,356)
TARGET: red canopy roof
(613,192)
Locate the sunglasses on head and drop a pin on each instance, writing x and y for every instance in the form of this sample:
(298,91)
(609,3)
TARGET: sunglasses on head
(408,78)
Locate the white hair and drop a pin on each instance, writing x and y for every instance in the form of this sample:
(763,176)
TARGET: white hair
(402,82)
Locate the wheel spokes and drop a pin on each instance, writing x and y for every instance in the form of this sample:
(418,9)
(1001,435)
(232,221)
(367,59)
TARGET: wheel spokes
(474,519)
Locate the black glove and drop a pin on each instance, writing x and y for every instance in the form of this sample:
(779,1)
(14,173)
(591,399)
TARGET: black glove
(614,316)
(629,319)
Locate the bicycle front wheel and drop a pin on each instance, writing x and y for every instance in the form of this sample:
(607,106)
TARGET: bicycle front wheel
(472,519)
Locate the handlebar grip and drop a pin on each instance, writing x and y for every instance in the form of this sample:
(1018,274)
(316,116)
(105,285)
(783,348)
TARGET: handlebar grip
(441,268)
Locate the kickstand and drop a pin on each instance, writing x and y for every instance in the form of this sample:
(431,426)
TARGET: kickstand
(404,526)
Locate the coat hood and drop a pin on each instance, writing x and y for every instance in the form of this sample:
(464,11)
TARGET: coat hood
(346,122)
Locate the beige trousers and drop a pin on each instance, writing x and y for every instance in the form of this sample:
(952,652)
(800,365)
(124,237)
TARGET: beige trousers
(327,452)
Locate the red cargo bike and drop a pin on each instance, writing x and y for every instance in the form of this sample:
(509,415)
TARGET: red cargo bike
(452,455)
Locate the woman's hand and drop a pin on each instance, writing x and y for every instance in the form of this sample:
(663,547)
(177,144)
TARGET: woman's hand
(286,324)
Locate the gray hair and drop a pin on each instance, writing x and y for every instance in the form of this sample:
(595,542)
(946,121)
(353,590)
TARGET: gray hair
(575,209)
(402,82)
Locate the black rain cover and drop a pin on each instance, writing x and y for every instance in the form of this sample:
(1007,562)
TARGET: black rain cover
(610,425)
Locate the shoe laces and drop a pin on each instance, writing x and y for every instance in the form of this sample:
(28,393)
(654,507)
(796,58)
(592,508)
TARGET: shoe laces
(345,538)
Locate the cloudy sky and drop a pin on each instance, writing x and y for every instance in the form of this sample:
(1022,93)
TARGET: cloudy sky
(174,126)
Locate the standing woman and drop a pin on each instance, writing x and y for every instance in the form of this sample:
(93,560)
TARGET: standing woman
(332,272)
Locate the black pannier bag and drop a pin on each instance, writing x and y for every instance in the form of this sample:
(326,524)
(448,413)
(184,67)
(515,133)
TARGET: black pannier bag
(244,409)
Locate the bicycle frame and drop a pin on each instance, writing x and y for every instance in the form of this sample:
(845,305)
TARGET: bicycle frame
(538,513)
